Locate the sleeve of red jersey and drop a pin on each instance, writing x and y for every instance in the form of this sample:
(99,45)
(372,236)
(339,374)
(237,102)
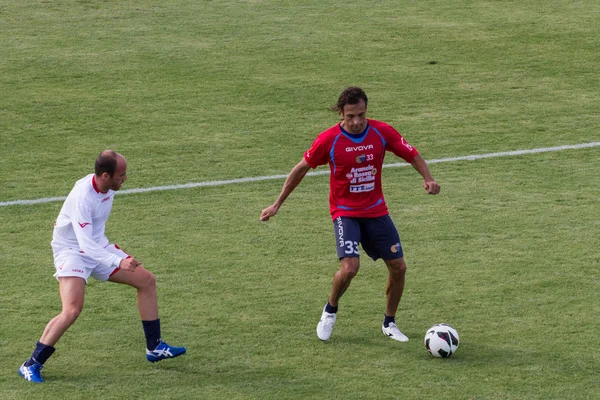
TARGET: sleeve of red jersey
(318,154)
(397,145)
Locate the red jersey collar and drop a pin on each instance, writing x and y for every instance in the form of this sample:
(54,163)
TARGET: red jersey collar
(95,186)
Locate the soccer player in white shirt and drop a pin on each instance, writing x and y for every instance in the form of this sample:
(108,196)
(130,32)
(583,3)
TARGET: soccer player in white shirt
(82,250)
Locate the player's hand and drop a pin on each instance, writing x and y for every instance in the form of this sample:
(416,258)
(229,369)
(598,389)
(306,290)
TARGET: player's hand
(129,264)
(432,187)
(269,212)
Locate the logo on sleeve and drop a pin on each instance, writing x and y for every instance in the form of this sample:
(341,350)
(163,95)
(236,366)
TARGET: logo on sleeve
(84,224)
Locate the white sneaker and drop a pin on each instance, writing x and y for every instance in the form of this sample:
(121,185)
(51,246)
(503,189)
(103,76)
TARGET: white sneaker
(325,325)
(393,332)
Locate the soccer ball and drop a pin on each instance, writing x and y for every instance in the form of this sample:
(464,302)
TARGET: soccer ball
(441,340)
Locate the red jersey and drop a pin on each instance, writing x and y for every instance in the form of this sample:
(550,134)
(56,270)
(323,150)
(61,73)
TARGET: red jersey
(355,162)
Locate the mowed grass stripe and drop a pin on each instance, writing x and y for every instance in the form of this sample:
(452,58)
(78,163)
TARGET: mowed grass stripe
(314,173)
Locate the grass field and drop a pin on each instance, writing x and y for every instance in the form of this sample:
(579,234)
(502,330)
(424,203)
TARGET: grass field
(195,91)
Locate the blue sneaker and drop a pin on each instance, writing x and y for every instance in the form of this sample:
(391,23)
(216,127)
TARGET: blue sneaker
(162,351)
(31,373)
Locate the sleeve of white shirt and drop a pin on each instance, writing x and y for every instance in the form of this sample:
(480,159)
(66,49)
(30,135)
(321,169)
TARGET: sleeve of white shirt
(84,237)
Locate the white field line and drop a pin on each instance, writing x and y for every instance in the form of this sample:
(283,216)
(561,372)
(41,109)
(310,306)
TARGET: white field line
(314,173)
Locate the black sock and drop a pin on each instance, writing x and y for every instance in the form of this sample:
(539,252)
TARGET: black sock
(330,309)
(152,332)
(40,355)
(387,320)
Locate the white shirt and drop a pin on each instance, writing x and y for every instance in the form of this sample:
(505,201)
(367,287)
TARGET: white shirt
(81,222)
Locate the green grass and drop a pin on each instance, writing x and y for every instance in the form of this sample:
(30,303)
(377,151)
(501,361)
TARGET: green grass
(191,91)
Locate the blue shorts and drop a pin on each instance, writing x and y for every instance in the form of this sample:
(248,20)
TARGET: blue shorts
(378,237)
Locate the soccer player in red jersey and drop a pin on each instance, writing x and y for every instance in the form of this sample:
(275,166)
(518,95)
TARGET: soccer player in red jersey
(355,149)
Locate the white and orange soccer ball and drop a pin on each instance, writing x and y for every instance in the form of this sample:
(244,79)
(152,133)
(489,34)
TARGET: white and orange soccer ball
(441,340)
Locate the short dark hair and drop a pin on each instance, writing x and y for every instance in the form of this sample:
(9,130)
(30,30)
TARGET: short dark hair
(350,95)
(106,162)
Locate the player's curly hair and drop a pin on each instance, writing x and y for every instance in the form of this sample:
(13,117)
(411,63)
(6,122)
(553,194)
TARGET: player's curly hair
(106,162)
(350,95)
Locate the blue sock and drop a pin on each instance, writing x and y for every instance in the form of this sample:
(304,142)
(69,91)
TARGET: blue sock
(152,332)
(387,320)
(330,309)
(40,355)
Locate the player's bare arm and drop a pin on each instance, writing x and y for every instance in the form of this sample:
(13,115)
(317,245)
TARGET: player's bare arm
(293,180)
(429,184)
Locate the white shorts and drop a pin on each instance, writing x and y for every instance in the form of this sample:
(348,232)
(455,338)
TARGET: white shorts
(71,262)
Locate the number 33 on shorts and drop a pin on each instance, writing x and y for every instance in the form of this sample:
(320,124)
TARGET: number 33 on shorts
(351,247)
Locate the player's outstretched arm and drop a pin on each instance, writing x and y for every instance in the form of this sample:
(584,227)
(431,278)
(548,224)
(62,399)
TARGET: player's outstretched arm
(293,180)
(429,184)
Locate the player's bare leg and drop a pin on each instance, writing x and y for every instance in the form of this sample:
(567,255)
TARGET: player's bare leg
(145,283)
(341,281)
(343,277)
(393,292)
(395,284)
(72,294)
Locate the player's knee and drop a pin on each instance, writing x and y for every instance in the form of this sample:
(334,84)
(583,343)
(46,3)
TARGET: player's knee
(149,280)
(152,280)
(70,314)
(397,267)
(352,271)
(350,267)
